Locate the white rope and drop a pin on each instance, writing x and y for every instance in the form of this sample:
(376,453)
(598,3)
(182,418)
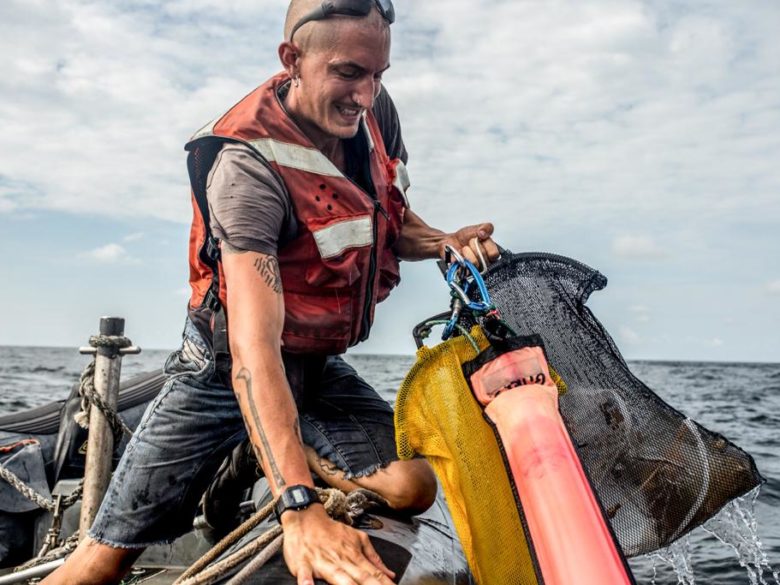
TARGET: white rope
(483,265)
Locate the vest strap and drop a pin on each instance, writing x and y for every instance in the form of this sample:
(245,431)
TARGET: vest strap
(295,156)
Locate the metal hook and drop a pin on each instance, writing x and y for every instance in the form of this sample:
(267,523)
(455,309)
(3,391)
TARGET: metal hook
(449,252)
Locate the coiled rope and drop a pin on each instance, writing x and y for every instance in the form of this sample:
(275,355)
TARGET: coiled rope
(90,397)
(347,508)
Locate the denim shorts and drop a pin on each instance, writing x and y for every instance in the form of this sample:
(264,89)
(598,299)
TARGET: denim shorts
(194,423)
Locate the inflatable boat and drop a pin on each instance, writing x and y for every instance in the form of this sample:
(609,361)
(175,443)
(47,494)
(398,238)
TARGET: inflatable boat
(44,448)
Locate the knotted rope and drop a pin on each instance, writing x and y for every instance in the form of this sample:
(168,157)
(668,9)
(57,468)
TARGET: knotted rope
(39,500)
(90,397)
(347,508)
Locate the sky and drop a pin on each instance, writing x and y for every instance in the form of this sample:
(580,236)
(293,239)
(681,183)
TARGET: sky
(639,137)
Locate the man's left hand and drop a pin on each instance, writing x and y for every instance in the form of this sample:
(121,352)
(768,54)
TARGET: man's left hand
(475,244)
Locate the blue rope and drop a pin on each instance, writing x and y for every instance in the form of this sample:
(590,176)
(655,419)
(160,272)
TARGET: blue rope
(477,281)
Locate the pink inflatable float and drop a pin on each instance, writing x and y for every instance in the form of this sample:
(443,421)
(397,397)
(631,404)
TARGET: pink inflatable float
(571,538)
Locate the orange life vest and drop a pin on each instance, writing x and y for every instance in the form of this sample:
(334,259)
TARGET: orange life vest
(341,262)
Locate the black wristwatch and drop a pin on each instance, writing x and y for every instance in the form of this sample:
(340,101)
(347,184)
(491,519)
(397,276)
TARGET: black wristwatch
(296,497)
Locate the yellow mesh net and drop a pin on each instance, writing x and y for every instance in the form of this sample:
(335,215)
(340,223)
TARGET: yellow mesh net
(437,416)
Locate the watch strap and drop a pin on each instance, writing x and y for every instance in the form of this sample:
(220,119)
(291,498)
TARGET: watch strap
(295,497)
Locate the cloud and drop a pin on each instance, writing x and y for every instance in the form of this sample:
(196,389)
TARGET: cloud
(578,110)
(110,254)
(629,336)
(637,247)
(601,106)
(641,313)
(113,105)
(566,123)
(133,237)
(773,287)
(716,342)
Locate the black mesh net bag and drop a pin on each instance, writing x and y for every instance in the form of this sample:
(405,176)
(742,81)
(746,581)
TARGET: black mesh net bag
(657,473)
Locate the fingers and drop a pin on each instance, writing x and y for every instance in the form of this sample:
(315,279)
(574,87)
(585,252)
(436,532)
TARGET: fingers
(491,250)
(476,245)
(373,556)
(480,253)
(484,230)
(346,573)
(365,576)
(357,572)
(477,250)
(335,553)
(469,253)
(367,567)
(305,575)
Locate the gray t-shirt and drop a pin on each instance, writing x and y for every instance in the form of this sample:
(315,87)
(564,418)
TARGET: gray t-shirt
(249,205)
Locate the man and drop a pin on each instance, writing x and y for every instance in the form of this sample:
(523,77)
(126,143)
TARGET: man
(300,218)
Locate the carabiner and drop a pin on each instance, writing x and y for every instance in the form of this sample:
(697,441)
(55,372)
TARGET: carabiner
(449,251)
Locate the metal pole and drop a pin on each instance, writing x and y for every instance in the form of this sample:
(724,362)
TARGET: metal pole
(31,573)
(100,444)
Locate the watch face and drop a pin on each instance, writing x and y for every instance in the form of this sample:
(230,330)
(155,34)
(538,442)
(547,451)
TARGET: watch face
(299,496)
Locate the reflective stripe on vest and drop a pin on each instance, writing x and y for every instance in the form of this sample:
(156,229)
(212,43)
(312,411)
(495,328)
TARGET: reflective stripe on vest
(295,156)
(334,239)
(401,181)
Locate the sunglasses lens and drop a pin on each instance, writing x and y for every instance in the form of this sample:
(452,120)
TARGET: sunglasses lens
(387,10)
(347,8)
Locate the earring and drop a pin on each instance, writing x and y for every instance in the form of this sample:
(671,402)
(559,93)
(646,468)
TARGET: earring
(297,81)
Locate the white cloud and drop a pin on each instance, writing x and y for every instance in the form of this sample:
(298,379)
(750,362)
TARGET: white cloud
(629,336)
(716,342)
(641,313)
(133,237)
(773,288)
(582,109)
(577,110)
(112,105)
(564,122)
(109,254)
(637,247)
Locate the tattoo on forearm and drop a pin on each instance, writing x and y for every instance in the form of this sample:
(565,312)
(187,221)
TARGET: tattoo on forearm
(258,452)
(243,374)
(268,267)
(328,468)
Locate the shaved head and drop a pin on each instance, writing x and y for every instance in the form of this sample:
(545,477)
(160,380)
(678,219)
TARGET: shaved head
(323,34)
(335,66)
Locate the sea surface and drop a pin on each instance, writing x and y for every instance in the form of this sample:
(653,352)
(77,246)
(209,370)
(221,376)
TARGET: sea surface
(740,401)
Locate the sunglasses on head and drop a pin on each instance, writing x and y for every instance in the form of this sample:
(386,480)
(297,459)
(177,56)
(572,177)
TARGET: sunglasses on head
(347,8)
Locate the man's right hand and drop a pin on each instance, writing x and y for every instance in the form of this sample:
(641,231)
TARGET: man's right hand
(315,546)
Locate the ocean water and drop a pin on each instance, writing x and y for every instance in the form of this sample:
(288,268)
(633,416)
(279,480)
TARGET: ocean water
(741,401)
